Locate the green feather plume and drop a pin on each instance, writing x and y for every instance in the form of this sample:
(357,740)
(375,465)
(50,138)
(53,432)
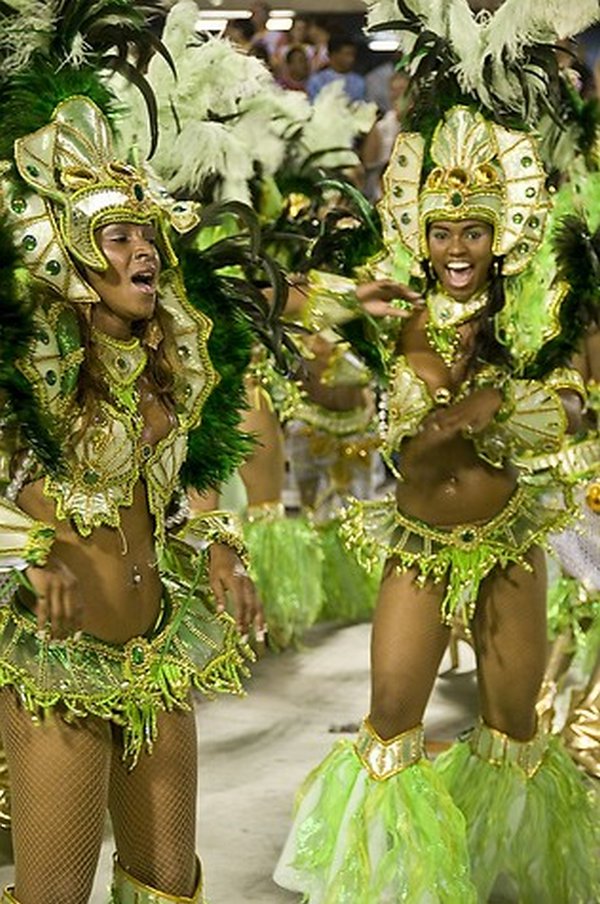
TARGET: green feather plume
(577,252)
(19,405)
(28,99)
(218,446)
(77,40)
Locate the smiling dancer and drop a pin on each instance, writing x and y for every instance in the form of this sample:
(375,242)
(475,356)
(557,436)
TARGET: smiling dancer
(466,206)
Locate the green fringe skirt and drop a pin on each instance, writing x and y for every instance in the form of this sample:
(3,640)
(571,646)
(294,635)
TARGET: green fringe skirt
(191,646)
(462,555)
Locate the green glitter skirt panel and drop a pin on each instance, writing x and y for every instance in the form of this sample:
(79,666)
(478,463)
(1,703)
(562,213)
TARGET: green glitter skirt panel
(462,555)
(191,646)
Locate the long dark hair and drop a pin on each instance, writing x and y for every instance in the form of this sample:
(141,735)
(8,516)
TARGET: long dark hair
(92,385)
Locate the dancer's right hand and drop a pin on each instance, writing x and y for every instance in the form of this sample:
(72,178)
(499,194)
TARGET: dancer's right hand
(377,298)
(57,605)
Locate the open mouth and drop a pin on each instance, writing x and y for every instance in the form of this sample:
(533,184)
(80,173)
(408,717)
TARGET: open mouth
(145,281)
(459,274)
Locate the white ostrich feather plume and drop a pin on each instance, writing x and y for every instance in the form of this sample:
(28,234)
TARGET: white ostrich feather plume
(504,35)
(334,124)
(206,149)
(31,31)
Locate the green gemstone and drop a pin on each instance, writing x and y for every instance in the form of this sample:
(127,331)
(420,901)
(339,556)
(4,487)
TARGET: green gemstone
(402,160)
(534,222)
(468,536)
(29,243)
(524,247)
(398,191)
(456,199)
(121,363)
(67,332)
(138,191)
(53,268)
(518,218)
(90,478)
(51,377)
(32,170)
(526,161)
(179,208)
(530,193)
(137,655)
(43,337)
(146,451)
(405,218)
(18,205)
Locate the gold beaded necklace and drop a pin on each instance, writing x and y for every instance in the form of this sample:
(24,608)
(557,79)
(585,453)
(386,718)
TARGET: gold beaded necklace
(445,314)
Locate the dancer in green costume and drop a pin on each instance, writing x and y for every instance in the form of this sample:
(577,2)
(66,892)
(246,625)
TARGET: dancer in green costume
(477,379)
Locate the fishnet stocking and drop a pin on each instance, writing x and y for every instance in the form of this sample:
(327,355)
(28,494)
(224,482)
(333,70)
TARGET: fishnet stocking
(407,645)
(59,779)
(509,630)
(153,807)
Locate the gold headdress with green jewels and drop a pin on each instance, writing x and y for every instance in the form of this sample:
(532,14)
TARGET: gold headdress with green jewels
(75,185)
(482,171)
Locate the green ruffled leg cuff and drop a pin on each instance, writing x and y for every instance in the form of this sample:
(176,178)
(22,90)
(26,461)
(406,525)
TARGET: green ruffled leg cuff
(286,565)
(529,817)
(349,590)
(360,837)
(126,889)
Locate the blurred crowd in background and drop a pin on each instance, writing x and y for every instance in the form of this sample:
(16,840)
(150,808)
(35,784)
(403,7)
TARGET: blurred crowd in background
(319,49)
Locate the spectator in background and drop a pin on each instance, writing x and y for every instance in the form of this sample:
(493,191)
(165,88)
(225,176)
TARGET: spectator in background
(378,83)
(295,69)
(342,57)
(379,143)
(319,33)
(297,36)
(262,35)
(240,32)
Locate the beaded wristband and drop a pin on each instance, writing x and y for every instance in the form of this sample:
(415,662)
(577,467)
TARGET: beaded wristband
(219,527)
(39,544)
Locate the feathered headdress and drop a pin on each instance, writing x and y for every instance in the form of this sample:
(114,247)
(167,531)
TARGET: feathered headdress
(505,62)
(485,86)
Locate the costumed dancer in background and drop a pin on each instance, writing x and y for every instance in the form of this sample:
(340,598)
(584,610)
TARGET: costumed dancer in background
(106,378)
(332,437)
(228,132)
(472,386)
(574,595)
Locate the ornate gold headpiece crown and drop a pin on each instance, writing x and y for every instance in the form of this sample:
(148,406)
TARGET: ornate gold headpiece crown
(482,172)
(74,186)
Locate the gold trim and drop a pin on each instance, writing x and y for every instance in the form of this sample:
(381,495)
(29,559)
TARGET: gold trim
(500,749)
(383,759)
(126,889)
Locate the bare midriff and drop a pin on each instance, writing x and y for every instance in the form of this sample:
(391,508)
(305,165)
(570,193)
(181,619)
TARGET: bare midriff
(118,584)
(449,484)
(445,482)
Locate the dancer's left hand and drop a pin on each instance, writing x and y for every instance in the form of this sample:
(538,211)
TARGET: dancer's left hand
(469,416)
(228,577)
